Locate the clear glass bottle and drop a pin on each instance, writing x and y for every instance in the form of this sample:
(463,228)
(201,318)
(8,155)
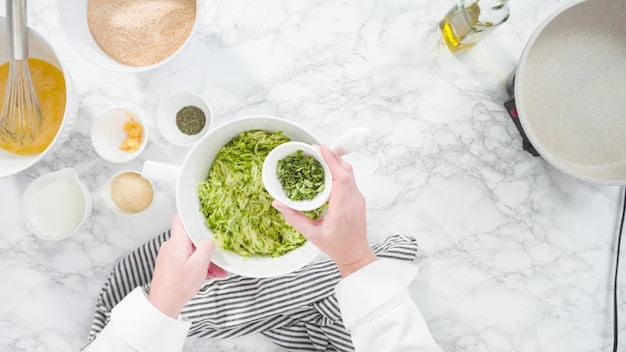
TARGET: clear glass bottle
(471,20)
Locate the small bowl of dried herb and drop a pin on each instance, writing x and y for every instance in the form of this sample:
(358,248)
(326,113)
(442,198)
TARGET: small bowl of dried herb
(296,175)
(183,118)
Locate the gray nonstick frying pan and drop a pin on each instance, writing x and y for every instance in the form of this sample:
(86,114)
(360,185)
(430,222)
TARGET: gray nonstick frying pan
(570,90)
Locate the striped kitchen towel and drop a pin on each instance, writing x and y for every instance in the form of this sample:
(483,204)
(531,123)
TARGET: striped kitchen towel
(297,311)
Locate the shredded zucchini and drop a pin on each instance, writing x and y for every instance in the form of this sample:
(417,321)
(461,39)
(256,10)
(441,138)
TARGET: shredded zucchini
(237,207)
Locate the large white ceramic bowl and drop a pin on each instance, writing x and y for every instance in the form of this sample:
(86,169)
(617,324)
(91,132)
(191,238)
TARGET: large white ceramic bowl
(73,18)
(195,169)
(39,48)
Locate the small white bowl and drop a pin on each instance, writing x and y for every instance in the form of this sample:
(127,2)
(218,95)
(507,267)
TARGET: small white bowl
(106,193)
(107,134)
(166,117)
(55,205)
(274,186)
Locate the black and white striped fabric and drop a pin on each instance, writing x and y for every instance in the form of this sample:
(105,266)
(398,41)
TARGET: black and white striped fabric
(298,311)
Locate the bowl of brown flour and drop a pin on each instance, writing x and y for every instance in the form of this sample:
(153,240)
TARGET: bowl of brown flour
(128,35)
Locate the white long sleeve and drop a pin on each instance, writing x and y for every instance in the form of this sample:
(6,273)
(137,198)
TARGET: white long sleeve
(137,326)
(379,312)
(374,303)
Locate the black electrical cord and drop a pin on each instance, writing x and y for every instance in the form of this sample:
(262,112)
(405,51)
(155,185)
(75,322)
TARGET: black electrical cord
(619,242)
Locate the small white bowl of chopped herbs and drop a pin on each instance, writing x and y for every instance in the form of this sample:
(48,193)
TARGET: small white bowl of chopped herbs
(296,175)
(184,118)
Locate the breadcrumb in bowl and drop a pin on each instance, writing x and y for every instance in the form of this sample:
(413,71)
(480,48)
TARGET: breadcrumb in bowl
(128,193)
(149,35)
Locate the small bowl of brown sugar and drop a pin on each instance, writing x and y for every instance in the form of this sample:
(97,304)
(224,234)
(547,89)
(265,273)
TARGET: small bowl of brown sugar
(128,35)
(183,118)
(128,193)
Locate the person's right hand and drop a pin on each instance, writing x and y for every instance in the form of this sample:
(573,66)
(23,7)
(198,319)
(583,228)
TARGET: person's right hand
(342,232)
(180,270)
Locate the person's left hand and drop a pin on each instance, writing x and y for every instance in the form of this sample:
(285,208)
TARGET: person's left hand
(180,270)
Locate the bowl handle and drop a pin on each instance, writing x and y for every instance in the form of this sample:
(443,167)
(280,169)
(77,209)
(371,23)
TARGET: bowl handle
(156,171)
(351,141)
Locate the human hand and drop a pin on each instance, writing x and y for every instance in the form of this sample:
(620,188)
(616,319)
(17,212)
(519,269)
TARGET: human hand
(180,270)
(342,232)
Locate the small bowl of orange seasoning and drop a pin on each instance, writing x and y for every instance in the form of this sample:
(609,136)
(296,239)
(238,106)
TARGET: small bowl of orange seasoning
(118,135)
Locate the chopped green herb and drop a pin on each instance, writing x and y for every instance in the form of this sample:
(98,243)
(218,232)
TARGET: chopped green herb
(237,207)
(302,177)
(190,120)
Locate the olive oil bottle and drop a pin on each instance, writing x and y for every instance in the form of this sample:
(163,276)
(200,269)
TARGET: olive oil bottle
(471,20)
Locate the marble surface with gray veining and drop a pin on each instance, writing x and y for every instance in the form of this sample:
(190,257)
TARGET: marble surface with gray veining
(520,255)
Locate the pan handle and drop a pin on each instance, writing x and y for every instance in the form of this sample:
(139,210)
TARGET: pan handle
(511,108)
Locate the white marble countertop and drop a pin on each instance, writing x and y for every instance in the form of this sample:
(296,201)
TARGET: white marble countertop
(521,256)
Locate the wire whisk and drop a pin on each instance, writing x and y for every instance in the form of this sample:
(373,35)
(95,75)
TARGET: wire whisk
(21,118)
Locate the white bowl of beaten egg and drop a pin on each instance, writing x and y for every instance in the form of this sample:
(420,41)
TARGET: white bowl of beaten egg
(125,35)
(195,171)
(54,90)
